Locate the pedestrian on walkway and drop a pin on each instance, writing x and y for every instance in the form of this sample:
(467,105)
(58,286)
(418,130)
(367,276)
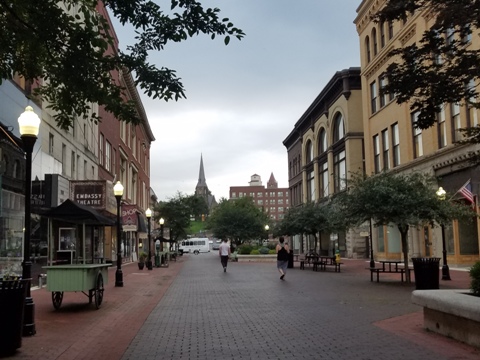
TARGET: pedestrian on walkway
(224,253)
(282,257)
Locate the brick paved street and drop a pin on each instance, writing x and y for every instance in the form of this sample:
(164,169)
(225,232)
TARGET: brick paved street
(193,310)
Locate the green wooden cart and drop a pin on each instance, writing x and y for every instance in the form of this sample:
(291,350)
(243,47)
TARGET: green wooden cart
(89,278)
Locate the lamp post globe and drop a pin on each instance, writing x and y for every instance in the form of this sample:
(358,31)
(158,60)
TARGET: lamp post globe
(148,214)
(29,125)
(118,192)
(441,194)
(161,222)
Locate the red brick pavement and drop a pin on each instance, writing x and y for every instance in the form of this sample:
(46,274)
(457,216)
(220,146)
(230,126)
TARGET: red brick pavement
(79,331)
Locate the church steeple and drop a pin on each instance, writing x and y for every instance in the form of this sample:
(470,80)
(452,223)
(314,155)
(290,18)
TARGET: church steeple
(272,183)
(201,175)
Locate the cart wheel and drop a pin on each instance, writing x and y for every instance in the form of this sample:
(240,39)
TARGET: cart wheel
(196,252)
(98,290)
(57,298)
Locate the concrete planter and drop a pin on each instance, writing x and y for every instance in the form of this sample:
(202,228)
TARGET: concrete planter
(452,313)
(254,258)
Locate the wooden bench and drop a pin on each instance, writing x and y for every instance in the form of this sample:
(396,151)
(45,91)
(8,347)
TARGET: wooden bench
(379,270)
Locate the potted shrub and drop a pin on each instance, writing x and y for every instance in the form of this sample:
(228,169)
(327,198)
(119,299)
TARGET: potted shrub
(475,278)
(142,256)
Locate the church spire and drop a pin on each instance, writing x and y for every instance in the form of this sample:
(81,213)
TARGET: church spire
(201,175)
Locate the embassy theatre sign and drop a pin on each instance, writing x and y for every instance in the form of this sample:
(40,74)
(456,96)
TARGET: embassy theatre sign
(90,193)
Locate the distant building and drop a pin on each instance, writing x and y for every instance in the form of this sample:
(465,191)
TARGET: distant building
(272,199)
(202,189)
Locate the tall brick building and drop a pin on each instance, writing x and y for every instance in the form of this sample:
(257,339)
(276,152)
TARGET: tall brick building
(272,199)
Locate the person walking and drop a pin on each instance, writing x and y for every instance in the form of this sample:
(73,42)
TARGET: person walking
(282,257)
(224,253)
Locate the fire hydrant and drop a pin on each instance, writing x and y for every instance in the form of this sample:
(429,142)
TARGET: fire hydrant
(337,256)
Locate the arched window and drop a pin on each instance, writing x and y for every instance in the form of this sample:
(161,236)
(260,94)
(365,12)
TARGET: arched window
(367,49)
(16,169)
(309,151)
(374,40)
(382,34)
(339,129)
(322,142)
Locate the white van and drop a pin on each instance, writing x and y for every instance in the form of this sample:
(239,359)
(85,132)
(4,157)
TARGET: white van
(195,245)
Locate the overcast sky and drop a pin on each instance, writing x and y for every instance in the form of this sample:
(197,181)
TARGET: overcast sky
(244,99)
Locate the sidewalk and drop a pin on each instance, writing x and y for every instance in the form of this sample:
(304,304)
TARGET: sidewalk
(325,310)
(79,331)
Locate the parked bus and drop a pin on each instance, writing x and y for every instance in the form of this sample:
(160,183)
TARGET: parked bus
(195,245)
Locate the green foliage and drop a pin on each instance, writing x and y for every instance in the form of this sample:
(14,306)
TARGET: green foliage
(263,250)
(245,249)
(416,77)
(69,44)
(142,256)
(272,252)
(475,278)
(196,227)
(238,220)
(255,252)
(176,212)
(271,246)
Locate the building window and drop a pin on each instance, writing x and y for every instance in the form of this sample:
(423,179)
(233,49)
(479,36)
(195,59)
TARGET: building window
(367,48)
(339,129)
(309,149)
(280,209)
(417,137)
(382,34)
(383,95)
(376,154)
(310,186)
(50,144)
(390,30)
(234,194)
(374,39)
(373,97)
(456,122)
(108,156)
(386,150)
(322,143)
(442,129)
(260,202)
(272,194)
(252,194)
(272,201)
(259,194)
(100,150)
(64,159)
(396,145)
(340,171)
(280,201)
(72,165)
(323,170)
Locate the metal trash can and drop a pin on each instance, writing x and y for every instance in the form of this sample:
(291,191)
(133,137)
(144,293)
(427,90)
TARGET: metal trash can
(427,273)
(290,260)
(12,300)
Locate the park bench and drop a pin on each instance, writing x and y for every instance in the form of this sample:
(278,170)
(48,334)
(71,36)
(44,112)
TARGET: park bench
(325,261)
(392,268)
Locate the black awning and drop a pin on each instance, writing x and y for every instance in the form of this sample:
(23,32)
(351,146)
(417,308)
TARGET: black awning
(73,212)
(142,223)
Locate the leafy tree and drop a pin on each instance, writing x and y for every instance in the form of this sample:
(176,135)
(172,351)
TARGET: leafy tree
(401,199)
(198,206)
(69,45)
(437,71)
(176,213)
(239,220)
(311,219)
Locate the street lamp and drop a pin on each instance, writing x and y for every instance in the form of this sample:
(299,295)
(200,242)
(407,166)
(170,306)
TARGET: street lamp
(118,192)
(29,124)
(441,193)
(148,214)
(266,231)
(161,222)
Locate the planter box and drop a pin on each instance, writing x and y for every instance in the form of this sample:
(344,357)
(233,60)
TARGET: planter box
(452,313)
(264,258)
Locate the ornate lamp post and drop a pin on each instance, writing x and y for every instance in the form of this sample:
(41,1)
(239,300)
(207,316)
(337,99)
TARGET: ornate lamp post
(441,193)
(118,192)
(148,214)
(29,124)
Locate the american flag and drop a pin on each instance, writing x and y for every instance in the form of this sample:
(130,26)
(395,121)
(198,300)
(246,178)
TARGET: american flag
(466,191)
